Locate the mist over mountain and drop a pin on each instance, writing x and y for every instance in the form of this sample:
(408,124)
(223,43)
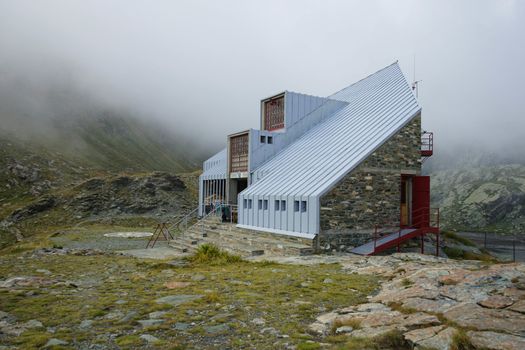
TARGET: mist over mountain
(56,114)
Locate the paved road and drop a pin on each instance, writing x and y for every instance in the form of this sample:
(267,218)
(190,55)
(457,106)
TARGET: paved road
(500,245)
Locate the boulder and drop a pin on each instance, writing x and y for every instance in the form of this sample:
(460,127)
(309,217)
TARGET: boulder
(441,341)
(417,335)
(471,315)
(496,302)
(496,341)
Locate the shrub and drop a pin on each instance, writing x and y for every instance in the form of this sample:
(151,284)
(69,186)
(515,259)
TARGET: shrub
(355,323)
(405,282)
(392,340)
(211,254)
(453,253)
(454,236)
(460,341)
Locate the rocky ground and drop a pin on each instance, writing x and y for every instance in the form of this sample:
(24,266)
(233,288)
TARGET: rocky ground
(84,294)
(433,303)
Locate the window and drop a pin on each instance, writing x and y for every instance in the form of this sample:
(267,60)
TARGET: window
(245,203)
(263,139)
(276,205)
(274,113)
(303,206)
(296,206)
(265,204)
(270,140)
(249,203)
(260,204)
(283,205)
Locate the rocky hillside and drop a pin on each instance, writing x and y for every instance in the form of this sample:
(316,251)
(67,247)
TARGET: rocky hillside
(136,200)
(486,198)
(99,168)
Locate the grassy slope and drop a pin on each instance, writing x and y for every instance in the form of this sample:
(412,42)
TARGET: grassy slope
(79,149)
(113,142)
(233,295)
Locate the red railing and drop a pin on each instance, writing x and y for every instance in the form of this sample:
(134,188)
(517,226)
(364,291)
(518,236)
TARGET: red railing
(424,220)
(427,144)
(425,217)
(383,229)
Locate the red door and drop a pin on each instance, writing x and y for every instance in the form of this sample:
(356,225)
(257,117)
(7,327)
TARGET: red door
(421,201)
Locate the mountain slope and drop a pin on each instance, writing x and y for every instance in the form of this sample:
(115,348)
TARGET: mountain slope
(488,198)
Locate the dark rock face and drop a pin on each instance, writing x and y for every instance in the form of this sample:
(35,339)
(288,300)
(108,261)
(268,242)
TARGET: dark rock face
(39,206)
(502,206)
(131,195)
(489,198)
(154,195)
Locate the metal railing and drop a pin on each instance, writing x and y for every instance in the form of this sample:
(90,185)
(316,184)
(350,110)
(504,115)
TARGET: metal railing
(505,247)
(421,218)
(427,143)
(163,229)
(425,217)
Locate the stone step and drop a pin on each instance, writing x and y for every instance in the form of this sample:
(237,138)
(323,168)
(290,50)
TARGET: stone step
(242,241)
(257,235)
(224,238)
(190,244)
(183,245)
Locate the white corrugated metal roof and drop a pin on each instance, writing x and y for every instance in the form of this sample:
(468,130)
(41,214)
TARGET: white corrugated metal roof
(378,107)
(215,167)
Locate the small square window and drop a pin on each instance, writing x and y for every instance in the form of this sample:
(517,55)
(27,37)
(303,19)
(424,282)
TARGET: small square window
(260,204)
(265,204)
(296,206)
(270,140)
(245,203)
(249,203)
(263,139)
(283,205)
(276,205)
(303,206)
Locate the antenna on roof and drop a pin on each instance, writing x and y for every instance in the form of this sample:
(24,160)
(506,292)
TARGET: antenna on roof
(416,82)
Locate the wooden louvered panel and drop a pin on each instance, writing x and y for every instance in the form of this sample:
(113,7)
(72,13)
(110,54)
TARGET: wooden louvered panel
(239,153)
(274,114)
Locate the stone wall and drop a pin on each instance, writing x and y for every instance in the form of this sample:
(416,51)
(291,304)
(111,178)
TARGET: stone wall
(370,194)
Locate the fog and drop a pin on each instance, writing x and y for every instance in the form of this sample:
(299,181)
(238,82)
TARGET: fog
(201,67)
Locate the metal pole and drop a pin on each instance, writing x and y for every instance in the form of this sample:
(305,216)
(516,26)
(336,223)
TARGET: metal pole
(375,238)
(422,244)
(437,244)
(205,196)
(485,241)
(514,248)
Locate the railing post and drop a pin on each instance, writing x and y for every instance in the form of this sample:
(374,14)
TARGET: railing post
(375,238)
(514,248)
(437,243)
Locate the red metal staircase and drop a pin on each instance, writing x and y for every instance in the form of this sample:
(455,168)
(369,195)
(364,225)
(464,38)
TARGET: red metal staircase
(425,220)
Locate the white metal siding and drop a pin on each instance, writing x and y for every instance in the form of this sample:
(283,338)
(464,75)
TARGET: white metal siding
(375,109)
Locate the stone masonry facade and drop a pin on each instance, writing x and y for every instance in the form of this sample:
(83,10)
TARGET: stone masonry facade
(371,193)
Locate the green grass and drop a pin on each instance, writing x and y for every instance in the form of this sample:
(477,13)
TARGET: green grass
(459,254)
(210,254)
(234,292)
(455,237)
(460,341)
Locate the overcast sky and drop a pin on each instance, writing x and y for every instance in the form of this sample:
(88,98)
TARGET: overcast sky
(203,66)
